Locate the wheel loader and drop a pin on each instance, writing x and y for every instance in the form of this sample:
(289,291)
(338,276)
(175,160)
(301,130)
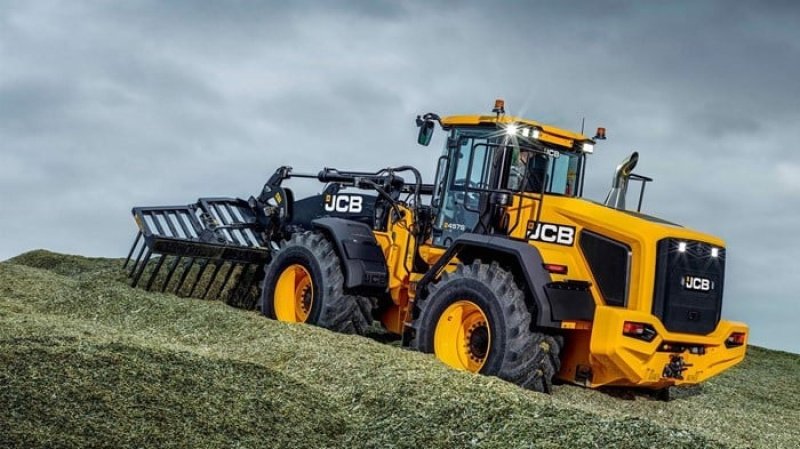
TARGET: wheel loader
(500,266)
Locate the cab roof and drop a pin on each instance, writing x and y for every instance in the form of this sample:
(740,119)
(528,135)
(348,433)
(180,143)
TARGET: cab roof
(548,133)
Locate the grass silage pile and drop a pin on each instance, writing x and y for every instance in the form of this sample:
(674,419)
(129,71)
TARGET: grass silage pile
(86,361)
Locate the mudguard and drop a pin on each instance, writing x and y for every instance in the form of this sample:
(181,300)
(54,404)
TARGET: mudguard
(362,258)
(521,258)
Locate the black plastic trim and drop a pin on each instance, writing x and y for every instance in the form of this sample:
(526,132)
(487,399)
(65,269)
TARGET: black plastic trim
(570,300)
(612,276)
(521,258)
(362,260)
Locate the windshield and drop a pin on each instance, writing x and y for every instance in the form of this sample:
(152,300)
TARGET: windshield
(533,172)
(475,158)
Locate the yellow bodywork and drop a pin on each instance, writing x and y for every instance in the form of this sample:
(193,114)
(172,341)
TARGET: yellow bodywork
(613,358)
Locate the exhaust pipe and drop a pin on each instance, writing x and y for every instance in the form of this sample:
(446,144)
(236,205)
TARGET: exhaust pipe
(619,185)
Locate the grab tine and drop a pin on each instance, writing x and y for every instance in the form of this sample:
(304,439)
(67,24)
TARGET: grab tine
(155,272)
(231,268)
(141,268)
(138,258)
(199,276)
(210,285)
(186,269)
(133,247)
(172,268)
(254,279)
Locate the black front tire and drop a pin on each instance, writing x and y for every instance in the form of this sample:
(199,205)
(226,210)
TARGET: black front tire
(515,353)
(330,307)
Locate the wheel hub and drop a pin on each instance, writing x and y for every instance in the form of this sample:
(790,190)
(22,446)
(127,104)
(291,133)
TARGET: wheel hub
(294,294)
(305,297)
(462,337)
(478,341)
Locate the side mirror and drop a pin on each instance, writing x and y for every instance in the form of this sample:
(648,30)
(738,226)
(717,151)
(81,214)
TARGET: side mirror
(425,132)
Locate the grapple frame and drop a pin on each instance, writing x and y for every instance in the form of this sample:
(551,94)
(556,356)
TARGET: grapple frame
(234,238)
(211,233)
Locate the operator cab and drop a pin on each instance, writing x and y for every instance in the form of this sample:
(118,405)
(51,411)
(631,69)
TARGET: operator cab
(487,160)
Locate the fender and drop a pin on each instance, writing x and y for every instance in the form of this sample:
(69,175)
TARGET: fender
(363,264)
(521,258)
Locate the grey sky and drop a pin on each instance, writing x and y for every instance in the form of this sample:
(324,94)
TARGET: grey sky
(106,105)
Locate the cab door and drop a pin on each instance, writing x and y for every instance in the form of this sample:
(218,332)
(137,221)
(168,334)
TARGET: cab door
(465,170)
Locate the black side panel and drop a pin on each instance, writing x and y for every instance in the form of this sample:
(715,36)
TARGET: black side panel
(521,258)
(688,290)
(609,261)
(362,259)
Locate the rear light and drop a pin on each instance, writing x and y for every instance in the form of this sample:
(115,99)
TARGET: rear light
(556,268)
(642,331)
(735,339)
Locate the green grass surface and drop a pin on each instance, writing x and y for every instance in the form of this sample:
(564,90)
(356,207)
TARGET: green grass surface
(86,361)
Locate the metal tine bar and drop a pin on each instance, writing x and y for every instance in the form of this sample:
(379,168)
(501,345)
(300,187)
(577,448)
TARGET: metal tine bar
(194,220)
(231,268)
(154,218)
(138,258)
(235,238)
(217,266)
(227,220)
(168,219)
(251,241)
(236,235)
(233,216)
(186,269)
(141,268)
(199,276)
(153,275)
(182,223)
(220,216)
(130,253)
(237,213)
(245,237)
(172,268)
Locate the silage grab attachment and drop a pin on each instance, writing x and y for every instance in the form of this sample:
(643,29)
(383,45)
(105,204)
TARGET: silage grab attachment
(217,245)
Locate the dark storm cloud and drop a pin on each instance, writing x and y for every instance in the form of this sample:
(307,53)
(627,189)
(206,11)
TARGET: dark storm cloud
(104,105)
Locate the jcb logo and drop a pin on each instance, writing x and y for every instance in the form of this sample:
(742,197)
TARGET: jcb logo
(697,283)
(352,204)
(551,233)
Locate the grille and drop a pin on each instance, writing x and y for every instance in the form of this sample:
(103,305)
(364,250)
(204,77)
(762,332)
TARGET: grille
(688,291)
(609,262)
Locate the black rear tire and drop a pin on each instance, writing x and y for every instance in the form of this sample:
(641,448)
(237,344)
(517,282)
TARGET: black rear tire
(329,306)
(515,353)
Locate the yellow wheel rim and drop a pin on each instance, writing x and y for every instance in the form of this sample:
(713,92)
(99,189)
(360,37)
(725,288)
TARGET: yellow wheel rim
(462,338)
(294,294)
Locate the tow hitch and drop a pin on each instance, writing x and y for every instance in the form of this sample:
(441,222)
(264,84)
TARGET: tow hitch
(675,368)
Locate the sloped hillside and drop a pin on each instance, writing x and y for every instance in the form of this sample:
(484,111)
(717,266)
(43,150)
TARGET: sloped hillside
(86,361)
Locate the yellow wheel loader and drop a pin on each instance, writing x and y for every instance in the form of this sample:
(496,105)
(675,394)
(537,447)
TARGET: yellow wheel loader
(498,267)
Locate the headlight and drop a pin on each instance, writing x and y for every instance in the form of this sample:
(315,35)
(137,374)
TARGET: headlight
(588,148)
